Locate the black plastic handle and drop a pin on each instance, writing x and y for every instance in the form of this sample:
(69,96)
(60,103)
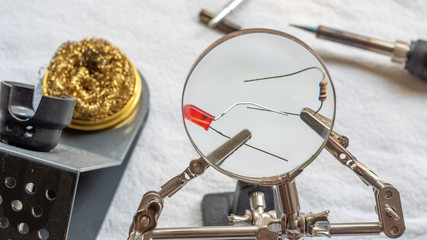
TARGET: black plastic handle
(417,59)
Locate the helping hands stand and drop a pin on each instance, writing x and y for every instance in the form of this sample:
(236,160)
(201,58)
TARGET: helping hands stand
(292,224)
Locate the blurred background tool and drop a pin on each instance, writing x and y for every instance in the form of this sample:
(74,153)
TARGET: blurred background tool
(414,55)
(218,21)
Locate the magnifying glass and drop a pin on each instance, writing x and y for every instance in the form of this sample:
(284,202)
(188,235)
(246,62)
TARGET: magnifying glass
(260,80)
(266,99)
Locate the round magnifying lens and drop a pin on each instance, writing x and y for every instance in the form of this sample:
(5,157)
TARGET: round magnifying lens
(260,80)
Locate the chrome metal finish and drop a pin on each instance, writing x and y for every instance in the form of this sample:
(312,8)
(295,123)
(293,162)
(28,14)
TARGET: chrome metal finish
(390,211)
(198,166)
(257,215)
(264,231)
(221,153)
(289,202)
(400,52)
(288,197)
(236,219)
(145,219)
(397,50)
(224,12)
(388,205)
(355,228)
(176,183)
(346,158)
(225,232)
(224,26)
(257,202)
(355,40)
(319,123)
(317,225)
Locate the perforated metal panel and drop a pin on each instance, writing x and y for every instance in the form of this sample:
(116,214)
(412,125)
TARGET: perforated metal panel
(36,199)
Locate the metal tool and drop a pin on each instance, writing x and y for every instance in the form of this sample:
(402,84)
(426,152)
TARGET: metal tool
(387,197)
(259,221)
(292,224)
(145,219)
(274,64)
(218,21)
(413,55)
(224,12)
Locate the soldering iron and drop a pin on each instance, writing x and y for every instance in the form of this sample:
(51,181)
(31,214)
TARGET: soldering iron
(414,55)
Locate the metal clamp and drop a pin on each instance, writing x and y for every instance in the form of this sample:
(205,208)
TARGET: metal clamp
(388,205)
(145,219)
(292,224)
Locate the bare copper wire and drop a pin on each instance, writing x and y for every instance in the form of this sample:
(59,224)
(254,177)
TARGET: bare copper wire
(97,74)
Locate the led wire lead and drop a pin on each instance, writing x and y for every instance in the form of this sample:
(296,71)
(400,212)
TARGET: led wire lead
(204,119)
(322,84)
(258,149)
(259,107)
(281,112)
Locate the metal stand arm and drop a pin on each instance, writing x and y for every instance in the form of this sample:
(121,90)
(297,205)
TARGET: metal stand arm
(223,232)
(367,228)
(292,224)
(145,219)
(388,205)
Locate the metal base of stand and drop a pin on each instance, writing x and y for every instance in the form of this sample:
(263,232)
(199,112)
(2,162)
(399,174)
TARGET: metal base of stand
(217,207)
(65,193)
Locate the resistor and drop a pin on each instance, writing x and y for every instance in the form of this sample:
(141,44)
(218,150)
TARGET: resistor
(322,93)
(322,90)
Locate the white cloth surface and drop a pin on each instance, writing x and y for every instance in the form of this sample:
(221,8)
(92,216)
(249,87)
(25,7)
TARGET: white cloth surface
(380,106)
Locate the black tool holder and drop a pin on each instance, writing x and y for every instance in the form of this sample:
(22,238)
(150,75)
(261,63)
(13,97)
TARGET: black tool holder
(216,207)
(65,193)
(37,130)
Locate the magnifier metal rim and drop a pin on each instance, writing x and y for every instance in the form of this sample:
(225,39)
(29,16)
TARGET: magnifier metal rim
(278,179)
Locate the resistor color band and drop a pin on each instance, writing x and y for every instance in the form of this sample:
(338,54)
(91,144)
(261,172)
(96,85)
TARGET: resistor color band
(322,91)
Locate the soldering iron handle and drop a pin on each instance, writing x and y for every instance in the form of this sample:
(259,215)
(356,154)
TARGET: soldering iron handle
(417,59)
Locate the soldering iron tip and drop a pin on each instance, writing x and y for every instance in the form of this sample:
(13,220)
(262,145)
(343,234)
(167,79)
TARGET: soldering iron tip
(306,28)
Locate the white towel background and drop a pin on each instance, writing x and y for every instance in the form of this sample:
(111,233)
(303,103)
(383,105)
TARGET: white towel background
(380,106)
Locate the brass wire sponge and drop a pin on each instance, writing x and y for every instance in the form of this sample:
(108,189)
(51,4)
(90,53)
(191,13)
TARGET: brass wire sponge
(104,82)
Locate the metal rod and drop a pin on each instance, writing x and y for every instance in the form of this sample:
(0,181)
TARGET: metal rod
(224,12)
(397,50)
(289,203)
(356,40)
(224,232)
(355,228)
(288,197)
(224,26)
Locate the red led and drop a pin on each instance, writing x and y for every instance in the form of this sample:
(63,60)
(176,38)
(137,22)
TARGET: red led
(198,116)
